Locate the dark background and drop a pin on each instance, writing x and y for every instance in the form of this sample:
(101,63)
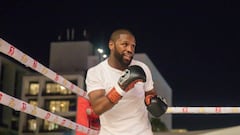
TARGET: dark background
(194,44)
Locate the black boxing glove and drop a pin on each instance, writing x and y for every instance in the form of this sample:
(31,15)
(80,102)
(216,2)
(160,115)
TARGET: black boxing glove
(130,77)
(156,105)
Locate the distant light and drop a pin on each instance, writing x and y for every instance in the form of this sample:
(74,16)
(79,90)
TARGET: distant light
(62,88)
(100,50)
(104,55)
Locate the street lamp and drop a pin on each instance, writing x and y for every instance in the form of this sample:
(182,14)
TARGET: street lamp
(100,50)
(100,54)
(104,56)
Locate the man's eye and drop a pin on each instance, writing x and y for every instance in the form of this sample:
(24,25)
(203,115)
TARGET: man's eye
(125,44)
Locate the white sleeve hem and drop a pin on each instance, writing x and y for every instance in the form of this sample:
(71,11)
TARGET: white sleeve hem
(119,90)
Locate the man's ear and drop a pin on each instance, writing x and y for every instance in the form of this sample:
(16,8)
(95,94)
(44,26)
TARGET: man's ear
(110,45)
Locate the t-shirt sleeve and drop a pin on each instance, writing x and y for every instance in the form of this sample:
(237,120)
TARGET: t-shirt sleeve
(93,80)
(149,82)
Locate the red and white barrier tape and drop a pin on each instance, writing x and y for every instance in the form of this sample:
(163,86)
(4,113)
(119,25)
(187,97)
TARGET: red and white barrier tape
(22,106)
(203,110)
(13,52)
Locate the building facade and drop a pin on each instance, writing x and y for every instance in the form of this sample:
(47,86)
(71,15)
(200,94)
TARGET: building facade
(44,93)
(11,73)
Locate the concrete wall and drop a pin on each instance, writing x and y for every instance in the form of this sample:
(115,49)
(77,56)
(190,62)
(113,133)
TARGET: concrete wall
(69,56)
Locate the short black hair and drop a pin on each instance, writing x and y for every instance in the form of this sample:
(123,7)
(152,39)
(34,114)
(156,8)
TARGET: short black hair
(116,33)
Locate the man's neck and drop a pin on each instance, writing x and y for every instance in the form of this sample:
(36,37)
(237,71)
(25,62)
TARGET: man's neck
(115,64)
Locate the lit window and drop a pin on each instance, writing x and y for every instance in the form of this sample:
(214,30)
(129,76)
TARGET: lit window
(33,88)
(49,126)
(54,88)
(33,102)
(59,106)
(32,125)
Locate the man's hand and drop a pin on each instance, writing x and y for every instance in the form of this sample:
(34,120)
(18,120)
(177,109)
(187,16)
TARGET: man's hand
(156,105)
(130,77)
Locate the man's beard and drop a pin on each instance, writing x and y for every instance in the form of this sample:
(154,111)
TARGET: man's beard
(121,60)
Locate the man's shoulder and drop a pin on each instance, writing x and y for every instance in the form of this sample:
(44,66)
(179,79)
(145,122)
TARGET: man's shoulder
(138,62)
(141,64)
(98,66)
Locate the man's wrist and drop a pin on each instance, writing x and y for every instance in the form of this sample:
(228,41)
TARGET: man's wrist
(119,90)
(115,94)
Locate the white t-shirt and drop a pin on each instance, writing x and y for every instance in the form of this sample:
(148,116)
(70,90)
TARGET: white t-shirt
(129,116)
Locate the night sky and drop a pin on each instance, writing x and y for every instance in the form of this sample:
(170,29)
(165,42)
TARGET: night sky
(194,44)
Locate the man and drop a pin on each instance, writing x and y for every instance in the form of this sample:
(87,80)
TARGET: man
(120,90)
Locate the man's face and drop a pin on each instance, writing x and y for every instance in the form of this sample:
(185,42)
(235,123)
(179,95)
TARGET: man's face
(124,49)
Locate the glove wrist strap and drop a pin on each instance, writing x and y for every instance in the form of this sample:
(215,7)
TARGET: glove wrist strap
(115,94)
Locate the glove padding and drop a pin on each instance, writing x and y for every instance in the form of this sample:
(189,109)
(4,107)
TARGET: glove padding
(130,77)
(156,105)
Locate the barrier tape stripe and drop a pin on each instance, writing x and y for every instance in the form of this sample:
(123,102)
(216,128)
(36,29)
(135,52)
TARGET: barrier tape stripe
(203,110)
(14,103)
(18,55)
(22,106)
